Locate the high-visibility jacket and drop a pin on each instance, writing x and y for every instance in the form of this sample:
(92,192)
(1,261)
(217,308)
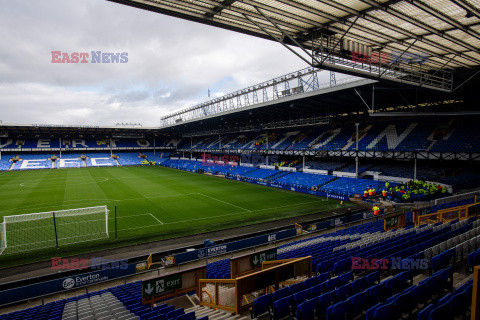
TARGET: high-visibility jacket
(376,210)
(365,193)
(370,192)
(384,193)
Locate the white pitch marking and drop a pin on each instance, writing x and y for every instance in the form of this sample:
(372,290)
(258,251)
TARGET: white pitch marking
(225,202)
(156,218)
(223,215)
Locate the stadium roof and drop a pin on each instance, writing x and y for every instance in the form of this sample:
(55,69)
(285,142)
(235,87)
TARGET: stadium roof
(44,130)
(447,31)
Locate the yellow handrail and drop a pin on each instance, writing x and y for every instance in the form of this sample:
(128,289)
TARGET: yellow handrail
(209,295)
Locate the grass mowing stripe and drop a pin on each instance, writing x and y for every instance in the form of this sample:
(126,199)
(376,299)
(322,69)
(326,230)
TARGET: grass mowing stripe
(223,215)
(180,202)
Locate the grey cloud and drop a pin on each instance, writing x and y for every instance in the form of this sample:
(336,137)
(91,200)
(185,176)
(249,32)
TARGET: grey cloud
(171,62)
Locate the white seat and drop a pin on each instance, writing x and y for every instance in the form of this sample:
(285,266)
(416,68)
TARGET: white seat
(458,252)
(428,253)
(443,246)
(450,244)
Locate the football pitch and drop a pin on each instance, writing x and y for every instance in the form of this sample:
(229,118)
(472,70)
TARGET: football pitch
(152,202)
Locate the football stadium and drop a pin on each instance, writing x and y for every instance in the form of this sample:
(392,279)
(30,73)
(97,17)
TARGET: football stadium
(292,198)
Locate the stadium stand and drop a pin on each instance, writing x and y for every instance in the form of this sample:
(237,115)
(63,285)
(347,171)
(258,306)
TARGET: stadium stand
(324,165)
(158,157)
(100,159)
(352,186)
(33,161)
(303,180)
(129,158)
(341,287)
(462,181)
(5,162)
(70,160)
(362,167)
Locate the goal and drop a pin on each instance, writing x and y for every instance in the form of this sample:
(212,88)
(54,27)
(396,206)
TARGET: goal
(33,231)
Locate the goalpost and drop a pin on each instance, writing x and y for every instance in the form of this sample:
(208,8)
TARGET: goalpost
(33,231)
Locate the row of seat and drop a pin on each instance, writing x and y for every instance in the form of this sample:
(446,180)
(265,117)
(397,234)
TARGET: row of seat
(103,306)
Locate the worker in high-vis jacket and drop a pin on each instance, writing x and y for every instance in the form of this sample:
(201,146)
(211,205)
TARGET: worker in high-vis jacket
(384,193)
(376,210)
(370,192)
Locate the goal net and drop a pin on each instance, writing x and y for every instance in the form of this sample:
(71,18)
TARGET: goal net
(33,231)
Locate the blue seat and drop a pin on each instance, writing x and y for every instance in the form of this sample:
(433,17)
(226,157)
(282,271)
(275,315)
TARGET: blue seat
(325,301)
(425,312)
(339,310)
(339,267)
(294,288)
(385,312)
(406,278)
(306,310)
(279,294)
(471,260)
(420,293)
(441,312)
(343,292)
(166,310)
(359,303)
(331,284)
(175,313)
(477,258)
(370,315)
(444,299)
(300,297)
(186,316)
(322,277)
(359,284)
(373,278)
(347,277)
(317,290)
(391,286)
(376,293)
(403,304)
(459,304)
(323,267)
(281,307)
(261,305)
(310,282)
(446,278)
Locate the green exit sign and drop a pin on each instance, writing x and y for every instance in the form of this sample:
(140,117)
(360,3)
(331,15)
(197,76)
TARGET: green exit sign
(154,287)
(391,222)
(256,259)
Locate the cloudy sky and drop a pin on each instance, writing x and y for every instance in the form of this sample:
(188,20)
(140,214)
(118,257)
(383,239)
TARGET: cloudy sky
(171,63)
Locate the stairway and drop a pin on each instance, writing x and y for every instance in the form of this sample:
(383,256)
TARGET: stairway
(201,311)
(448,132)
(319,138)
(361,135)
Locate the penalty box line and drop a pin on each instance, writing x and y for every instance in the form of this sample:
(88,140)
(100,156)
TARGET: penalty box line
(161,223)
(230,204)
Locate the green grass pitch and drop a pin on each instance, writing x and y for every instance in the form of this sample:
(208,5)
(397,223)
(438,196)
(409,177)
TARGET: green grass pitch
(152,202)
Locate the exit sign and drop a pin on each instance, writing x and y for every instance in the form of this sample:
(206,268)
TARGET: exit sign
(157,286)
